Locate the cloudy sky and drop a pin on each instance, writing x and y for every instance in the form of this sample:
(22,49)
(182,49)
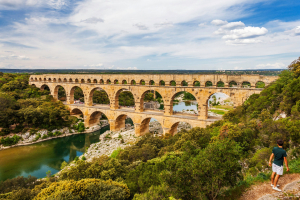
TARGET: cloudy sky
(149,34)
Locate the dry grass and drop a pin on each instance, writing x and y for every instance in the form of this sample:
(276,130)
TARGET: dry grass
(262,189)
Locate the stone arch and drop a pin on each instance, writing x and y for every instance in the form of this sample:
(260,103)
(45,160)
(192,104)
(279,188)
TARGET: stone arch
(191,96)
(196,84)
(208,84)
(76,112)
(91,95)
(35,79)
(65,80)
(260,84)
(220,84)
(45,79)
(174,128)
(82,81)
(54,80)
(232,84)
(57,89)
(116,81)
(59,80)
(124,82)
(40,79)
(95,81)
(108,81)
(72,93)
(173,83)
(89,81)
(126,101)
(31,79)
(120,122)
(101,81)
(49,79)
(76,80)
(184,83)
(162,83)
(142,99)
(142,82)
(151,82)
(246,84)
(70,80)
(43,87)
(94,118)
(144,127)
(133,82)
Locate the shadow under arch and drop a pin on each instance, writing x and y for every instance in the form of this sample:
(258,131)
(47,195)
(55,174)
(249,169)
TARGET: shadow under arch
(179,126)
(76,112)
(95,118)
(122,121)
(98,96)
(45,87)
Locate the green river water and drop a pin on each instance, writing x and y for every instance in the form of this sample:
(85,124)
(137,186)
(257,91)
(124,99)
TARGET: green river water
(37,159)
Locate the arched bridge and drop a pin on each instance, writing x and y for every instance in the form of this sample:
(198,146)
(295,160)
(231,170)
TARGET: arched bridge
(168,85)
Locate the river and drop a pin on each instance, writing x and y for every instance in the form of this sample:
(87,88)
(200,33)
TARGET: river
(37,159)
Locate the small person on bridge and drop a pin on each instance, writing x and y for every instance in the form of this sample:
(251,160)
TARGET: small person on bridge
(277,167)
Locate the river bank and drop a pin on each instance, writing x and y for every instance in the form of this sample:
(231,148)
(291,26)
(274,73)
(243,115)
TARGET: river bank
(28,139)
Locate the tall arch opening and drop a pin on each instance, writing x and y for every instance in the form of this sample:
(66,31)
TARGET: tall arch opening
(142,82)
(95,81)
(108,81)
(172,83)
(76,95)
(70,80)
(101,81)
(77,113)
(260,84)
(124,99)
(184,103)
(124,82)
(116,81)
(232,84)
(60,93)
(133,82)
(151,82)
(219,104)
(65,80)
(150,125)
(97,118)
(162,83)
(179,126)
(98,96)
(152,100)
(45,88)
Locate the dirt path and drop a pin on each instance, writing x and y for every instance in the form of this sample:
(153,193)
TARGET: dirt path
(260,190)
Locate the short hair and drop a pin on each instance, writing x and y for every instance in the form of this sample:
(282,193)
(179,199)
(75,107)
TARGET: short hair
(280,142)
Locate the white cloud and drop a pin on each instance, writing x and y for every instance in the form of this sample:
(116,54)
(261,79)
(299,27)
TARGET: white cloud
(271,66)
(218,22)
(19,4)
(242,41)
(92,20)
(233,25)
(202,24)
(141,26)
(247,32)
(14,57)
(163,24)
(297,30)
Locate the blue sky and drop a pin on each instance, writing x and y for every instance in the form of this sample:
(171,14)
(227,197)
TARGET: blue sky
(144,34)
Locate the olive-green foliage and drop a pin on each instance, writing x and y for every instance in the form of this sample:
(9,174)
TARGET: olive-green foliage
(8,141)
(188,96)
(85,189)
(126,99)
(104,168)
(115,153)
(160,192)
(295,67)
(260,159)
(100,97)
(145,149)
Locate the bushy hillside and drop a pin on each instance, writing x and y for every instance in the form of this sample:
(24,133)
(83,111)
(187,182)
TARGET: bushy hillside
(217,162)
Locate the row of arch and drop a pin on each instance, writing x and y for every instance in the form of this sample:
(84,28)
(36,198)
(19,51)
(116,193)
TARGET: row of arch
(259,84)
(120,121)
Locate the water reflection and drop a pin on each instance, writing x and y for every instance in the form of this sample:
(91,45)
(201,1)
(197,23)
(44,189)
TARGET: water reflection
(37,159)
(185,105)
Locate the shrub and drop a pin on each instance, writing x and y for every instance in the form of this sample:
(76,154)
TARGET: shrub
(18,129)
(76,158)
(44,136)
(86,189)
(50,134)
(18,183)
(4,131)
(115,153)
(63,165)
(8,141)
(83,158)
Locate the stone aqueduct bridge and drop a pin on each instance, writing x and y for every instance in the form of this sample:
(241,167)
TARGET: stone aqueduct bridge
(115,84)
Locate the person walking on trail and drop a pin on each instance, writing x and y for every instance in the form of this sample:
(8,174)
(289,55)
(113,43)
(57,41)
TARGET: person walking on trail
(279,155)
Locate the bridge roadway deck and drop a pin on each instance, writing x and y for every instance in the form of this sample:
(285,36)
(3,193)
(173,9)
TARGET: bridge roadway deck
(140,119)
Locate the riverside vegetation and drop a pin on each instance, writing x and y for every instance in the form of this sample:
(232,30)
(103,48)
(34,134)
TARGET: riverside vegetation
(217,162)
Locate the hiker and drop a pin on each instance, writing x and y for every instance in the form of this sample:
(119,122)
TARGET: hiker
(279,156)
